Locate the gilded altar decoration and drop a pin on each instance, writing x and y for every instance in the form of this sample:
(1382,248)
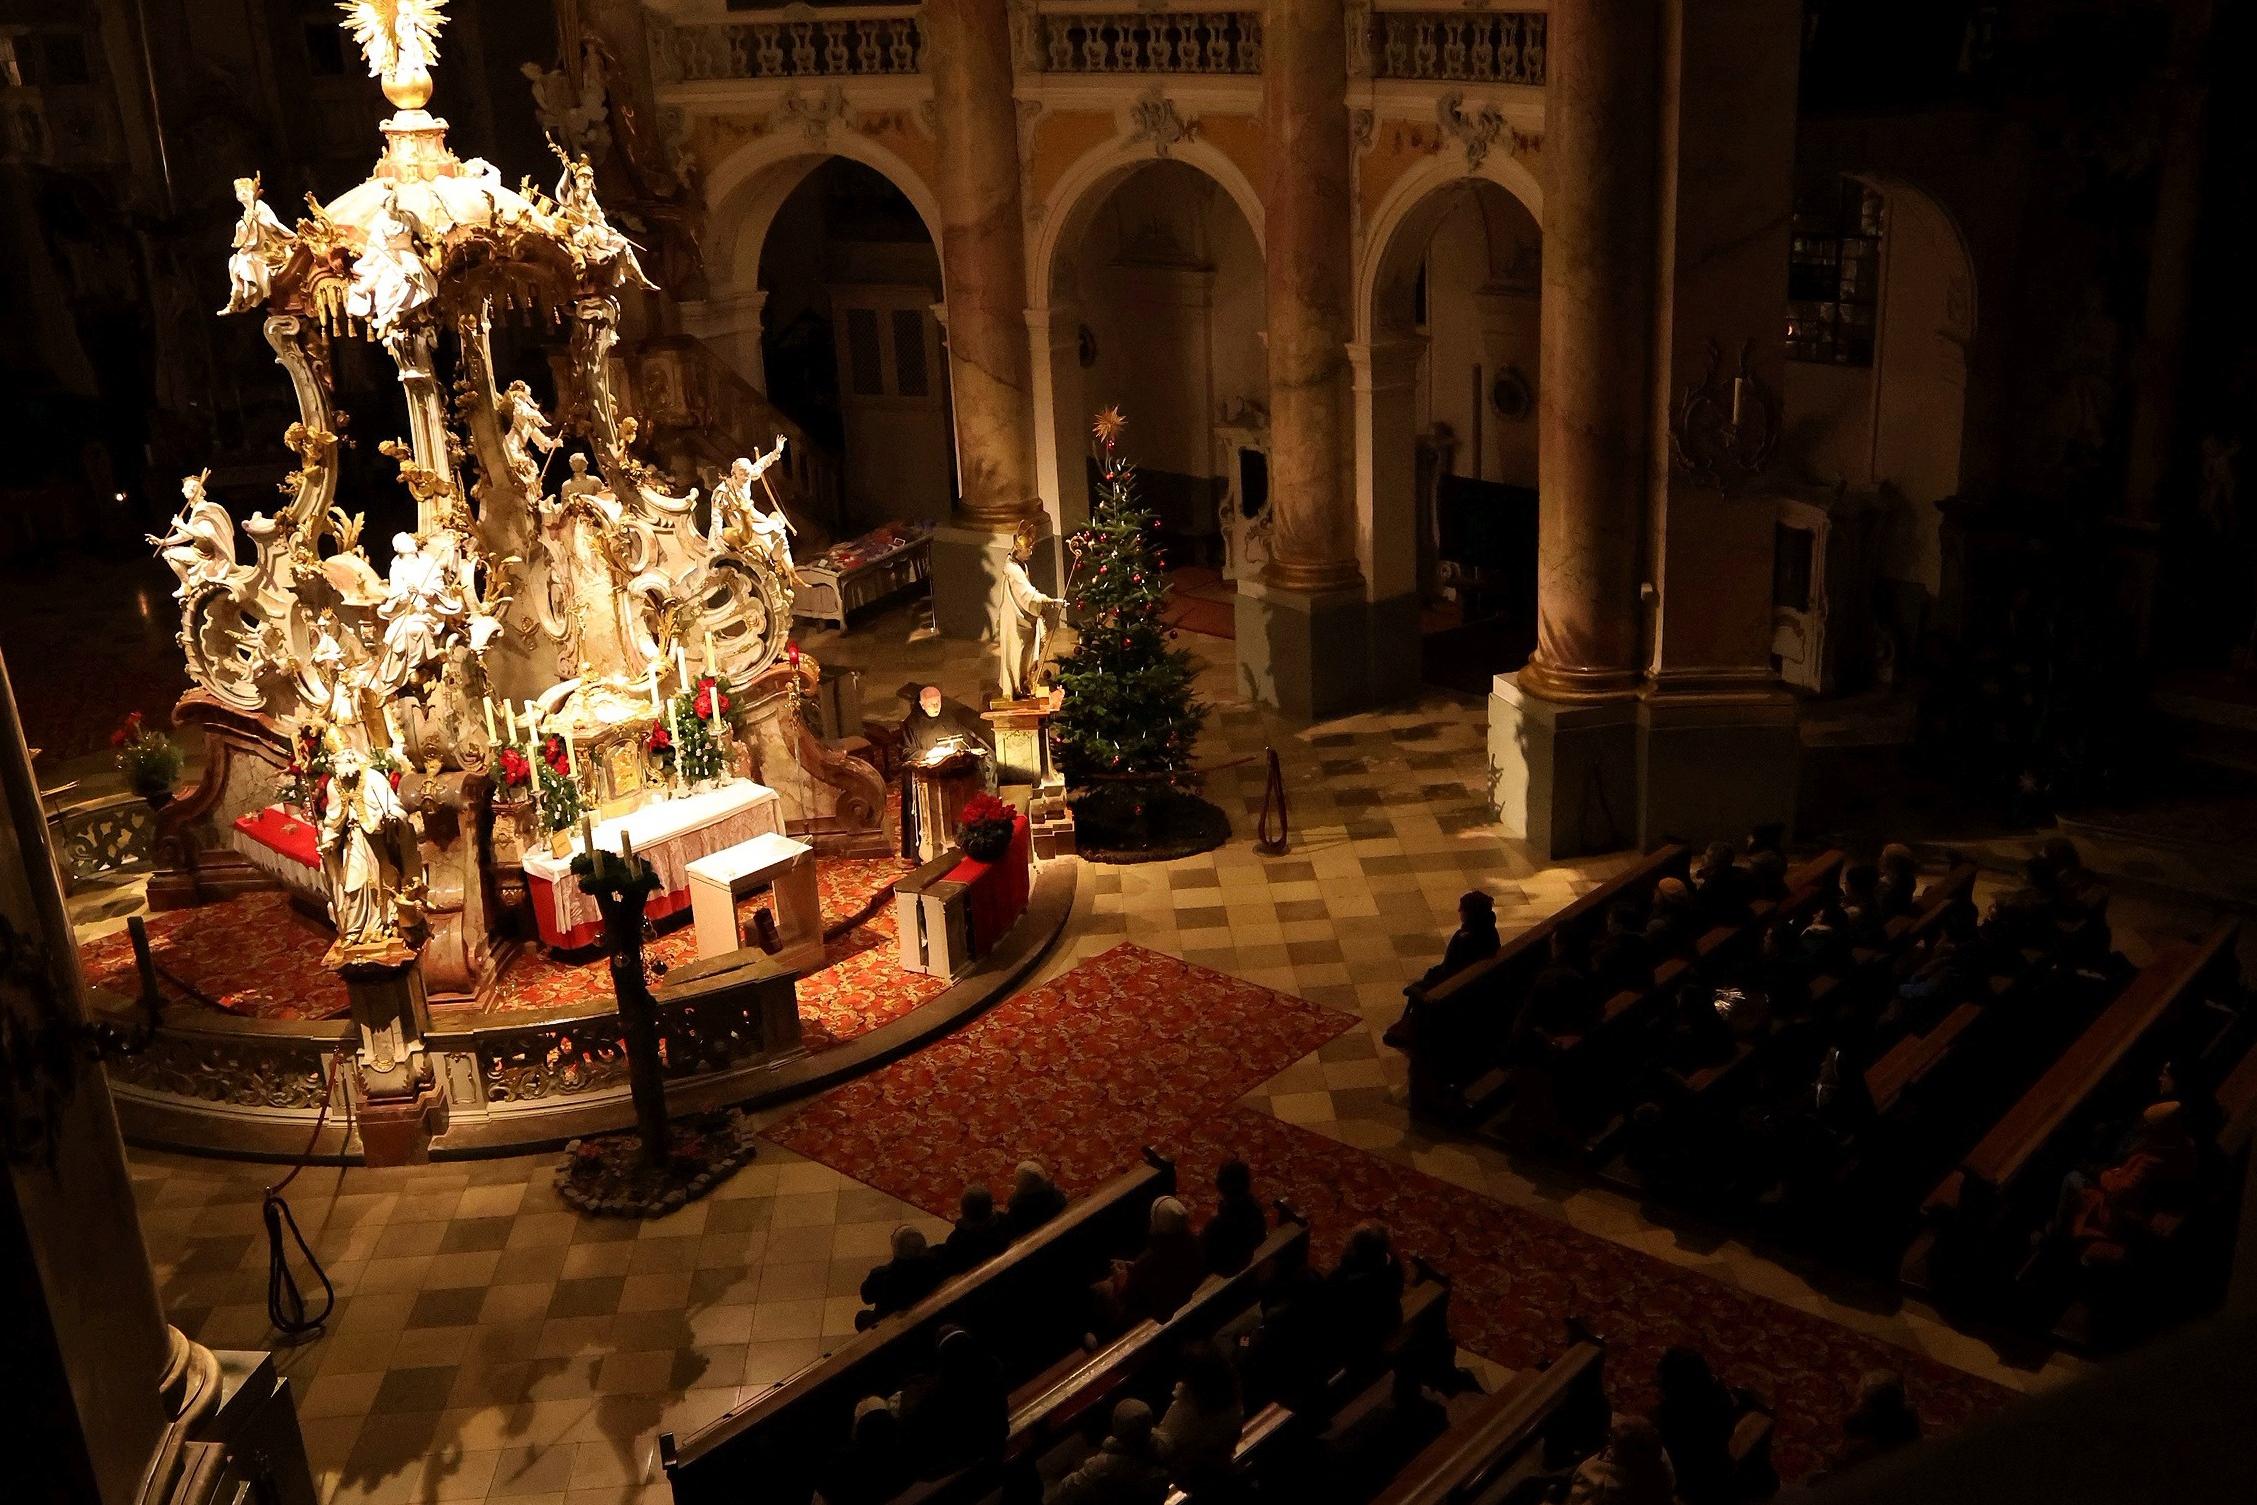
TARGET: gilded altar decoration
(554,593)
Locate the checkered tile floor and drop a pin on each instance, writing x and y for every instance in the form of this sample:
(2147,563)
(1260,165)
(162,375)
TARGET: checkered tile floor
(490,1345)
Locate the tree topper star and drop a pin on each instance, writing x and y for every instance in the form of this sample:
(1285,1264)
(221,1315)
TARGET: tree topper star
(1108,426)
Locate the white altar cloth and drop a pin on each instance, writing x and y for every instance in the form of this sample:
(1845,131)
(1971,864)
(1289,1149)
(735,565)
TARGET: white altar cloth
(669,834)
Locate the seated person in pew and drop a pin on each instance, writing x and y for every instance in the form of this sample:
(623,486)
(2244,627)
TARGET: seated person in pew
(1722,889)
(1363,1296)
(1285,1353)
(1239,1224)
(1698,1031)
(872,1468)
(1562,1000)
(959,1413)
(2080,905)
(901,1282)
(1198,1434)
(980,1234)
(1767,876)
(2103,1218)
(1673,928)
(1897,890)
(1631,1469)
(1623,962)
(1159,1279)
(1474,940)
(1881,1422)
(1125,1470)
(2021,919)
(1861,905)
(1695,1417)
(1035,1199)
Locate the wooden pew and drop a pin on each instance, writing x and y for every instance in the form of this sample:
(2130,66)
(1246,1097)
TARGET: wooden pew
(769,1447)
(1046,1409)
(1964,1207)
(1267,1435)
(1506,1429)
(1495,986)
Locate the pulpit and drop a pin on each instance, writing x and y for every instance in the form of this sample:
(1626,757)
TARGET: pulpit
(938,790)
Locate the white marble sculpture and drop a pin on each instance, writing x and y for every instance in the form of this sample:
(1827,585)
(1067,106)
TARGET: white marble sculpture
(390,279)
(423,598)
(589,230)
(366,847)
(1028,615)
(528,431)
(261,240)
(741,524)
(199,547)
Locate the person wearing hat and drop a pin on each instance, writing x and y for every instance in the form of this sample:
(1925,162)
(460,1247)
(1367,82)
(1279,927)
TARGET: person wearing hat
(1474,940)
(1125,1469)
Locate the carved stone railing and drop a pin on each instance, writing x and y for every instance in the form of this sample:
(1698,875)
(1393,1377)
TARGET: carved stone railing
(791,42)
(101,838)
(1075,40)
(1468,46)
(263,1069)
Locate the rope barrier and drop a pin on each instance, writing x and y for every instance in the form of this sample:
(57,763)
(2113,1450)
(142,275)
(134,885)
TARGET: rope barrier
(1273,798)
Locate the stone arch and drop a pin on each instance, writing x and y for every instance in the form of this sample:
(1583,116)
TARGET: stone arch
(1054,315)
(744,191)
(1397,538)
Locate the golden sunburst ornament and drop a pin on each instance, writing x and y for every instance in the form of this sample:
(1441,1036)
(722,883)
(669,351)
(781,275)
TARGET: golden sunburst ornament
(400,40)
(1108,426)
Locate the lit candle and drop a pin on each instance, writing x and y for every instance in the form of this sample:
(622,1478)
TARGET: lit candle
(571,763)
(710,669)
(654,689)
(682,668)
(509,719)
(487,704)
(674,739)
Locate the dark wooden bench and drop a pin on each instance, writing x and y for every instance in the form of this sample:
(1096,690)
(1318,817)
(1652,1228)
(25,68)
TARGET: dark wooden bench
(1079,1387)
(1506,1429)
(768,1449)
(1960,1211)
(1496,985)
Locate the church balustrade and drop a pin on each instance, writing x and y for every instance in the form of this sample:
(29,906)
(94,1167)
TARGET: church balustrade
(1106,39)
(103,838)
(1472,46)
(791,42)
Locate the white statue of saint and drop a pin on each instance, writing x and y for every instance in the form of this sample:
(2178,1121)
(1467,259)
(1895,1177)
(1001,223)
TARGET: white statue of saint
(199,547)
(422,595)
(528,430)
(367,844)
(331,680)
(261,240)
(1028,616)
(591,235)
(390,279)
(741,525)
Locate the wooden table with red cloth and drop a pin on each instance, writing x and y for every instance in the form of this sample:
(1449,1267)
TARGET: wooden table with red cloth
(995,893)
(668,834)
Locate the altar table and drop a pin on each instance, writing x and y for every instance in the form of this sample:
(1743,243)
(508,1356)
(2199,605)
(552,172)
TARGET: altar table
(669,835)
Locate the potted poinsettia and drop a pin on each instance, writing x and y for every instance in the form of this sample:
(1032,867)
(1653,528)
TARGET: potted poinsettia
(984,827)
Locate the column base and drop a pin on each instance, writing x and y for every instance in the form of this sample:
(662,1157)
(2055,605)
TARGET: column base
(1324,654)
(1563,775)
(1714,766)
(967,577)
(399,1130)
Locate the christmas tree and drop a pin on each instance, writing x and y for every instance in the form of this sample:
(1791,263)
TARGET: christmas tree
(1129,707)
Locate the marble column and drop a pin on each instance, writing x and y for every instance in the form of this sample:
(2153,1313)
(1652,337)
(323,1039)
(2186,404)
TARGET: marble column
(983,272)
(1563,730)
(109,1389)
(1307,283)
(983,255)
(1314,638)
(1593,403)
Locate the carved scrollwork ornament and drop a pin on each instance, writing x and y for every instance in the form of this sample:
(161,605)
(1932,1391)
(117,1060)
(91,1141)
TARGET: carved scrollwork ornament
(1725,429)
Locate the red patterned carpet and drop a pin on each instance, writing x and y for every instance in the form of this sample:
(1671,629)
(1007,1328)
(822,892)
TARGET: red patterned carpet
(1135,1048)
(257,956)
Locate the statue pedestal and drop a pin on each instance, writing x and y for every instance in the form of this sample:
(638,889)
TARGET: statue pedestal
(1022,757)
(402,1106)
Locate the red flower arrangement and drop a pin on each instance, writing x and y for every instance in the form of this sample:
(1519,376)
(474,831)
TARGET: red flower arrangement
(127,730)
(516,772)
(984,827)
(985,807)
(660,742)
(707,689)
(553,754)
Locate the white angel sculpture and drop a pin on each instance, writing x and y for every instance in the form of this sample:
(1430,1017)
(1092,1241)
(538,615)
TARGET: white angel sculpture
(261,240)
(422,598)
(740,523)
(199,547)
(390,279)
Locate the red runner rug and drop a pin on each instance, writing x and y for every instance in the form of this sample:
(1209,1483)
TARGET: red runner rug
(1135,1048)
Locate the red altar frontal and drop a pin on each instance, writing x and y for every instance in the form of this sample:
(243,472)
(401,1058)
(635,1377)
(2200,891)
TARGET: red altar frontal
(669,835)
